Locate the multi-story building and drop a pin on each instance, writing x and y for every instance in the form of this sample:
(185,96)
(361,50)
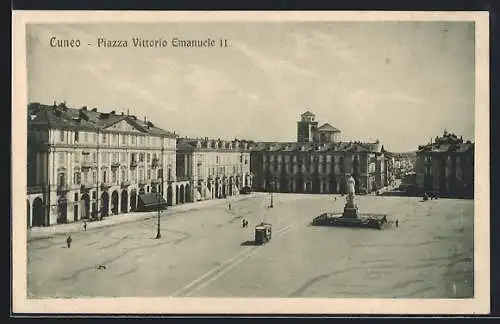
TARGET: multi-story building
(314,168)
(446,166)
(210,169)
(390,169)
(317,162)
(83,163)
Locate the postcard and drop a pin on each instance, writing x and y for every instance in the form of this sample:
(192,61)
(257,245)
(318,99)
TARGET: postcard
(250,162)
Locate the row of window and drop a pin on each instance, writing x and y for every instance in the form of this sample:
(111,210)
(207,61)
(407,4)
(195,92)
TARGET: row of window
(218,171)
(106,157)
(322,168)
(90,177)
(243,159)
(312,158)
(112,138)
(458,160)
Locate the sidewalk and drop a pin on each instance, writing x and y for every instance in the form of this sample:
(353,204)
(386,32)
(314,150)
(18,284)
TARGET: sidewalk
(36,233)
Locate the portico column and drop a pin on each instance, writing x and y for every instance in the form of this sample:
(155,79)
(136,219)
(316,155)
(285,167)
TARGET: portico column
(119,202)
(185,166)
(31,213)
(110,212)
(128,200)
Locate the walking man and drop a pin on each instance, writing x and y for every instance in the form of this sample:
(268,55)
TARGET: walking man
(85,226)
(397,223)
(68,241)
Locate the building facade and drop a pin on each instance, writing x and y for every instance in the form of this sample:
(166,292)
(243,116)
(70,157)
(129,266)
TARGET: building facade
(446,166)
(314,168)
(318,162)
(83,163)
(211,169)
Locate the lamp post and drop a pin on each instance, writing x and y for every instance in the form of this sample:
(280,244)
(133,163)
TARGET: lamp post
(158,233)
(272,186)
(160,193)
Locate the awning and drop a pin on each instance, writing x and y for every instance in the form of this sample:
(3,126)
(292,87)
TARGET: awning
(151,201)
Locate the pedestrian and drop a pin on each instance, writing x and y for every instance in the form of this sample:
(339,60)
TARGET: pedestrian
(85,226)
(397,223)
(229,206)
(243,223)
(68,241)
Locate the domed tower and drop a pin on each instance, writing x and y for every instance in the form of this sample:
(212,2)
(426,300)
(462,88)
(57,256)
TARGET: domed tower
(306,127)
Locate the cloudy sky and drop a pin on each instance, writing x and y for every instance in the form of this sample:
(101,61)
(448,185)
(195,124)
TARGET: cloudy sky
(399,82)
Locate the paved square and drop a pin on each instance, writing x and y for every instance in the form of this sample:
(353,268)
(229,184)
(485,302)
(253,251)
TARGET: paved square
(206,253)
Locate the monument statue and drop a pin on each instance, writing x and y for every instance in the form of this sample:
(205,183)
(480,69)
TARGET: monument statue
(350,208)
(351,191)
(351,184)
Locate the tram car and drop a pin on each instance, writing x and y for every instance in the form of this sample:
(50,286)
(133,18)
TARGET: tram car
(263,233)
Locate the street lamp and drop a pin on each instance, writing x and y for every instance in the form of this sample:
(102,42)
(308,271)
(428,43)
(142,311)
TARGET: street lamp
(158,233)
(272,185)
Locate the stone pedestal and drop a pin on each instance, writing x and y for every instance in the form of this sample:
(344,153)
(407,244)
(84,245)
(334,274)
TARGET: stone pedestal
(350,212)
(350,208)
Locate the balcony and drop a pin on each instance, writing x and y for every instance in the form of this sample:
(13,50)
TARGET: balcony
(155,163)
(155,181)
(105,185)
(125,183)
(85,187)
(133,164)
(142,182)
(115,164)
(35,189)
(88,164)
(62,188)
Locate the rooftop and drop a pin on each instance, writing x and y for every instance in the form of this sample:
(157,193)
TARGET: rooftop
(61,116)
(311,147)
(308,113)
(448,142)
(189,143)
(328,128)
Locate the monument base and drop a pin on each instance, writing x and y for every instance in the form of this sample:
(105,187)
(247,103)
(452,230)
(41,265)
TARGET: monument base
(350,212)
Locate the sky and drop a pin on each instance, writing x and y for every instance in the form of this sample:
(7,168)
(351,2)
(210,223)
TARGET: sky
(402,83)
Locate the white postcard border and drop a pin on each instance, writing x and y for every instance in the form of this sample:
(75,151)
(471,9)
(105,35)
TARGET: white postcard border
(480,304)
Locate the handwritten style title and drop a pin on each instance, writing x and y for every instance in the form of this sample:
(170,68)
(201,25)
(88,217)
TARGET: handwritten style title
(137,42)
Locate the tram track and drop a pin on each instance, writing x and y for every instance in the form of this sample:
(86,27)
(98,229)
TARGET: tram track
(215,273)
